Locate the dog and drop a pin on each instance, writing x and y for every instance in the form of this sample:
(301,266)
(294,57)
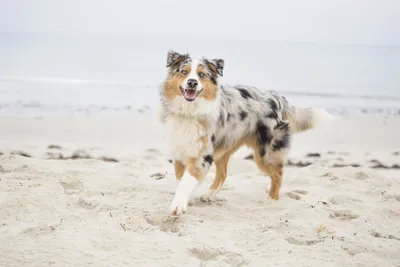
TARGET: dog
(206,122)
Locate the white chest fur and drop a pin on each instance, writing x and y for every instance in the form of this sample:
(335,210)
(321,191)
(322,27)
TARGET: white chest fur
(184,137)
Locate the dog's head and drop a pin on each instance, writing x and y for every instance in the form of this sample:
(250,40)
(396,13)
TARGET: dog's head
(192,78)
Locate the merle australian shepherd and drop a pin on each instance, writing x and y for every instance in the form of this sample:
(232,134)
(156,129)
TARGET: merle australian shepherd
(207,122)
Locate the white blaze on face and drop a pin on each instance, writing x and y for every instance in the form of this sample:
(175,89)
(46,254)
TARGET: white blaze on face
(194,75)
(191,93)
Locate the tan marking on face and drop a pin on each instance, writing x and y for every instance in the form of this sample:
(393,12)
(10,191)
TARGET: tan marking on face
(209,89)
(173,83)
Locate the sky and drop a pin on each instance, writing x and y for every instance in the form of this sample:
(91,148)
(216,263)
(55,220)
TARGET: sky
(370,22)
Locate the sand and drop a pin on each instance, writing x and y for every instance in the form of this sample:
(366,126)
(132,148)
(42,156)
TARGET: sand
(95,191)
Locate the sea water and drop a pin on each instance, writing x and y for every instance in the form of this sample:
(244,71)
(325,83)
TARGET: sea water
(46,75)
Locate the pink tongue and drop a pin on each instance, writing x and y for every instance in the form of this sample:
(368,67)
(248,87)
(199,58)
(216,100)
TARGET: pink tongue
(190,93)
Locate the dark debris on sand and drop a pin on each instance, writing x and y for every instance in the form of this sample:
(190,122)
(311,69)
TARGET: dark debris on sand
(379,165)
(54,147)
(340,165)
(298,164)
(55,155)
(21,153)
(376,164)
(78,154)
(108,159)
(158,175)
(82,154)
(313,155)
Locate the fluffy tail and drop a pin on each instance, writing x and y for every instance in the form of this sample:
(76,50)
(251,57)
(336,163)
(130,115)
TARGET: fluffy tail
(302,119)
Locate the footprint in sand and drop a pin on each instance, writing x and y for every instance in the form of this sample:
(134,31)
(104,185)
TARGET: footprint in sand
(330,176)
(302,192)
(41,228)
(207,253)
(385,236)
(210,200)
(352,248)
(302,242)
(343,199)
(392,196)
(169,224)
(343,215)
(361,176)
(72,187)
(86,204)
(295,194)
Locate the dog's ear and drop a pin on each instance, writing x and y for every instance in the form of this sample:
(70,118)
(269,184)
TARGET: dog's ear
(174,58)
(217,66)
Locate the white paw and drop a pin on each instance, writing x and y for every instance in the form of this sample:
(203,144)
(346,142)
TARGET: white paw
(185,188)
(178,206)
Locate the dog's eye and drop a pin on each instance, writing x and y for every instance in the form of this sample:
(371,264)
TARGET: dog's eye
(201,75)
(184,72)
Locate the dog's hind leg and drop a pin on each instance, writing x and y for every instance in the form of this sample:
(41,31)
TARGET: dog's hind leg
(271,155)
(273,167)
(220,176)
(275,172)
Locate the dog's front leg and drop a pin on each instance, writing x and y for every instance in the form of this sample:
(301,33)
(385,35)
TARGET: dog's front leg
(195,172)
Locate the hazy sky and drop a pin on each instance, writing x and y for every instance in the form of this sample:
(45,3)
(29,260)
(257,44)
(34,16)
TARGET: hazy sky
(374,22)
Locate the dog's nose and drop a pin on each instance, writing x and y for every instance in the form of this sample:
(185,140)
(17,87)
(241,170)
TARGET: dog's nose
(192,83)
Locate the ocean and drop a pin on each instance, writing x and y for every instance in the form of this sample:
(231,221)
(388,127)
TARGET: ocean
(59,75)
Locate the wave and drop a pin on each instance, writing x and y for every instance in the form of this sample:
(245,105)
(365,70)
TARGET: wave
(337,95)
(75,81)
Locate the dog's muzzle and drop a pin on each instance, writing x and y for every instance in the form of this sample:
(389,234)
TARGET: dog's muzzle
(190,94)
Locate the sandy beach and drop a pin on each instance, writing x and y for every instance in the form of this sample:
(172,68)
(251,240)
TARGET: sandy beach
(95,191)
(86,178)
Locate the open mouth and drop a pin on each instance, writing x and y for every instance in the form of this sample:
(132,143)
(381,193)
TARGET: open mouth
(190,94)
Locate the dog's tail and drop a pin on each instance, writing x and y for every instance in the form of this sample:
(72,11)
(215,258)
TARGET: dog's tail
(302,119)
